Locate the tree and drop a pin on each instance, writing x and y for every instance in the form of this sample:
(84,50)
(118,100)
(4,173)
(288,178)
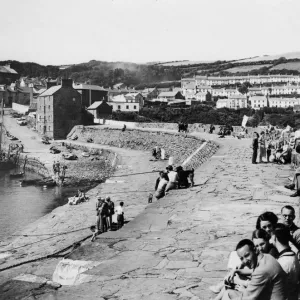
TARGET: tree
(243,89)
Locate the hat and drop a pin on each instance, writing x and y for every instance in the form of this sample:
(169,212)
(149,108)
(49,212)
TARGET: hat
(107,198)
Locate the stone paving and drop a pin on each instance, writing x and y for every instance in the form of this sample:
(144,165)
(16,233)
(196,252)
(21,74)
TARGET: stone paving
(178,246)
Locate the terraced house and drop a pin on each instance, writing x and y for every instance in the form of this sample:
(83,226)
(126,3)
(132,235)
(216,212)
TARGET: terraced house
(58,110)
(229,80)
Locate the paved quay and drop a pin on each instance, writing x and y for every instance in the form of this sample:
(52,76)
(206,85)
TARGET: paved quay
(178,246)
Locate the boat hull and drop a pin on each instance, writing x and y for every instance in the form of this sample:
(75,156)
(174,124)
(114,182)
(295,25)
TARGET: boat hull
(7,165)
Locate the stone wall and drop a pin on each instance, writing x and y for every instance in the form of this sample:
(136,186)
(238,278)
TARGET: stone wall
(179,146)
(202,155)
(196,127)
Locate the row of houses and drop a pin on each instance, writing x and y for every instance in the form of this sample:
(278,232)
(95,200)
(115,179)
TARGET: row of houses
(275,90)
(257,102)
(231,80)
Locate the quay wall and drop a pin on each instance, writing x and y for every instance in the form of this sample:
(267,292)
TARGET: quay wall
(195,127)
(182,147)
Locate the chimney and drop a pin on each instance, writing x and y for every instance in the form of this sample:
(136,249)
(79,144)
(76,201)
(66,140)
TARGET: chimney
(66,83)
(31,93)
(7,66)
(50,83)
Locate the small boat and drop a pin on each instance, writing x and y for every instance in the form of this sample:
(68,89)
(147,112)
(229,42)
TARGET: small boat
(7,165)
(38,182)
(16,175)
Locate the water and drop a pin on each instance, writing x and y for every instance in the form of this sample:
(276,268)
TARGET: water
(20,206)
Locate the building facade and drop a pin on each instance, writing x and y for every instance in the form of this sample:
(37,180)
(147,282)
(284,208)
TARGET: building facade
(7,75)
(284,102)
(120,103)
(233,102)
(58,110)
(258,101)
(90,93)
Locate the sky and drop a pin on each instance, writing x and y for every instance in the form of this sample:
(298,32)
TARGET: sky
(60,32)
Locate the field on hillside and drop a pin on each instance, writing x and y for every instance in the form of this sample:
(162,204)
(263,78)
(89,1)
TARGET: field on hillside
(185,63)
(246,68)
(289,55)
(289,66)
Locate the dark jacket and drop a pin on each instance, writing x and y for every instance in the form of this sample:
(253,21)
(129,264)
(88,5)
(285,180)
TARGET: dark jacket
(255,143)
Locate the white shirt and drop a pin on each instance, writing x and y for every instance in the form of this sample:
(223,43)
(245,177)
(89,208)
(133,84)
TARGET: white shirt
(119,210)
(173,176)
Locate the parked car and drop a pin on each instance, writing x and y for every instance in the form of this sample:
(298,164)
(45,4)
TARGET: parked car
(69,156)
(45,140)
(32,115)
(54,150)
(22,122)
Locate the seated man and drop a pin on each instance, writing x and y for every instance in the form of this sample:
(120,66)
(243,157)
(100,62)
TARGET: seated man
(183,176)
(268,280)
(287,259)
(288,217)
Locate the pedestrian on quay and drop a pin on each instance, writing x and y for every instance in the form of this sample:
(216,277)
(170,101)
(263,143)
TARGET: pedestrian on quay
(98,220)
(101,213)
(262,146)
(120,214)
(111,211)
(255,147)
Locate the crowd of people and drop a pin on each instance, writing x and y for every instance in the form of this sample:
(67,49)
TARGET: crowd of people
(267,266)
(274,146)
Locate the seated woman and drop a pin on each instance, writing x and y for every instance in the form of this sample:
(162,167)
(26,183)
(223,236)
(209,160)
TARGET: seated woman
(267,222)
(286,155)
(278,150)
(160,191)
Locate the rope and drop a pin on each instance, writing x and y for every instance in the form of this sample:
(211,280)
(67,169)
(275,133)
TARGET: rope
(53,236)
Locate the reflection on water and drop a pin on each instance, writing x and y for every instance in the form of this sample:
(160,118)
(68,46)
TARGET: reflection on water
(20,206)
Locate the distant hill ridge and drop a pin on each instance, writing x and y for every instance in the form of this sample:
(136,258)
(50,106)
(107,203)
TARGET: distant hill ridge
(149,74)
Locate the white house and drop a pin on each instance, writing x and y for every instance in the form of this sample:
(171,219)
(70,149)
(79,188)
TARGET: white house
(201,96)
(258,101)
(284,102)
(120,103)
(237,101)
(222,103)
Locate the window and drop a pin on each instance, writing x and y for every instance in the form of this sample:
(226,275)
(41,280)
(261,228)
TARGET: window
(119,106)
(127,106)
(49,117)
(134,106)
(49,128)
(49,107)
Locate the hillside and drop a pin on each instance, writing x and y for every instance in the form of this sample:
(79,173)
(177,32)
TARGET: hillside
(164,74)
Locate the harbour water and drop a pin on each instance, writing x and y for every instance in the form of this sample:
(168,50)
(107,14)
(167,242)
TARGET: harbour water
(20,206)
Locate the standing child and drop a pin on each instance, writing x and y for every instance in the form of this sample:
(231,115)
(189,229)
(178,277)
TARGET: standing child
(120,214)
